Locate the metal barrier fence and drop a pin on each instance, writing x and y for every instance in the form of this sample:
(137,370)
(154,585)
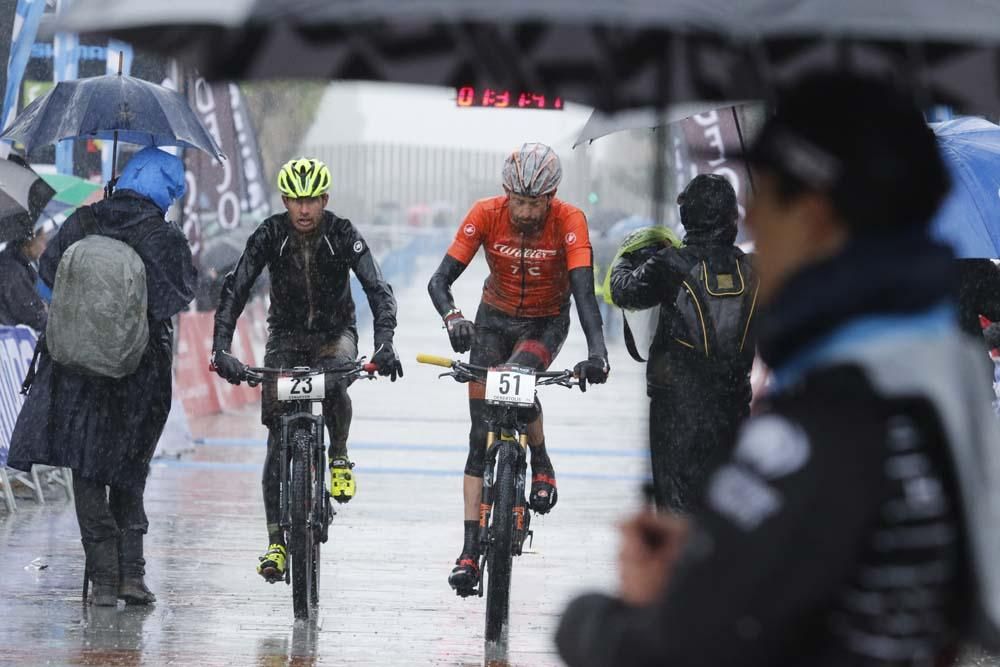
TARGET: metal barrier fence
(421,186)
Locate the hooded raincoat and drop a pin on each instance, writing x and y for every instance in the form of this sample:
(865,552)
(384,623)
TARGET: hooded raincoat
(106,430)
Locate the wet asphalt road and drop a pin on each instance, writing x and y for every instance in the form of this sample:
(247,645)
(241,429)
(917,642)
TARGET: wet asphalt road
(385,600)
(384,594)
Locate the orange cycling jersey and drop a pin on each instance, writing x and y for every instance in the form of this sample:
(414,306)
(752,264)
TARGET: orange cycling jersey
(529,275)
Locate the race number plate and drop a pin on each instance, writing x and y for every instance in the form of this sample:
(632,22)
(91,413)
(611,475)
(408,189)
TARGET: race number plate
(510,385)
(303,388)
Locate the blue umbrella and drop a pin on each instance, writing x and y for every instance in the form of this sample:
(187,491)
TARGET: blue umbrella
(969,219)
(111,107)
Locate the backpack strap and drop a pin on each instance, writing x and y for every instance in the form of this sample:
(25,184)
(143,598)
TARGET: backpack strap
(633,349)
(88,221)
(29,377)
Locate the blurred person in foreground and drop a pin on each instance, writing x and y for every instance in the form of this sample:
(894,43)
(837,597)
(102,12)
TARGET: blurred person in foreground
(698,374)
(20,302)
(855,523)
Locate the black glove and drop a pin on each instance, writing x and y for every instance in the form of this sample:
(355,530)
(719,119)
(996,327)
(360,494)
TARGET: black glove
(387,361)
(992,335)
(227,366)
(460,330)
(594,370)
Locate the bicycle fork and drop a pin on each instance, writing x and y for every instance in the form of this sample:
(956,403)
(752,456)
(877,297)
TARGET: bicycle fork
(521,518)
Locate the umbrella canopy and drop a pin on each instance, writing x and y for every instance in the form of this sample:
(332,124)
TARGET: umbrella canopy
(611,55)
(969,219)
(111,107)
(23,196)
(71,190)
(601,124)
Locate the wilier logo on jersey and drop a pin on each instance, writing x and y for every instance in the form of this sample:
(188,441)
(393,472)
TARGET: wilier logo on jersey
(358,246)
(469,229)
(528,253)
(571,238)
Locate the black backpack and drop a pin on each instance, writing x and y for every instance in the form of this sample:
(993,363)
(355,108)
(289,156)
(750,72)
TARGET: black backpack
(714,309)
(712,312)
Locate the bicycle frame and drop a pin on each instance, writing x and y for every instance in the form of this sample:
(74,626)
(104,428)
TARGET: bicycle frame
(507,429)
(506,465)
(304,415)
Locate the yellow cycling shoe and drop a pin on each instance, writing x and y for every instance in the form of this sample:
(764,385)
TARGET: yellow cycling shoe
(272,563)
(342,484)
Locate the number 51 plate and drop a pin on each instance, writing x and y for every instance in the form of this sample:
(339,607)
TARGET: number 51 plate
(510,385)
(302,388)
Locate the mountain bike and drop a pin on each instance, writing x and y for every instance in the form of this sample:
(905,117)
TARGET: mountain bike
(306,510)
(503,517)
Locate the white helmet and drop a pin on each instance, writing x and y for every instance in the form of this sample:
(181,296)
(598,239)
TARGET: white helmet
(532,171)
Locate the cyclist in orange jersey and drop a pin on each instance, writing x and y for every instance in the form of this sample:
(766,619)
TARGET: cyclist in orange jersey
(538,250)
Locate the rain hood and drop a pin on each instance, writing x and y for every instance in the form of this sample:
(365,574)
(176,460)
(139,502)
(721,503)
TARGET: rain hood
(155,174)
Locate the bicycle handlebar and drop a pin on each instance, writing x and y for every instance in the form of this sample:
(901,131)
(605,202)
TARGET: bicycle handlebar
(478,373)
(434,360)
(254,375)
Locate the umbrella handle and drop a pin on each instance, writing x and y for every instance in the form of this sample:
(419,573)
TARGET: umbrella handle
(110,187)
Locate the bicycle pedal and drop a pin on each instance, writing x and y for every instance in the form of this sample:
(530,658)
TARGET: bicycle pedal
(531,539)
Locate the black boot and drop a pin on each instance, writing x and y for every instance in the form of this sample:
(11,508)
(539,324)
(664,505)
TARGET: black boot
(102,570)
(132,586)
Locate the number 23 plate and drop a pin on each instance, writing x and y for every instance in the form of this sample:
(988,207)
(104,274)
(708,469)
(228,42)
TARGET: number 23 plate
(303,388)
(510,385)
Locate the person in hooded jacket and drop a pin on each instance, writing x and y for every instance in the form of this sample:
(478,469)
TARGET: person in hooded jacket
(105,429)
(855,523)
(20,302)
(698,374)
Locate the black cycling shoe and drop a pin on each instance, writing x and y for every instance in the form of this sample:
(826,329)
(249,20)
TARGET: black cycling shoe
(543,492)
(464,578)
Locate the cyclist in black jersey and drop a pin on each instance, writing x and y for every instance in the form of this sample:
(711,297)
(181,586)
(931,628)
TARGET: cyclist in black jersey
(310,253)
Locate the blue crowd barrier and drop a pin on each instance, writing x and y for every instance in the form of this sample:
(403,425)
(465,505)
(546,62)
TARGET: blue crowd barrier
(17,345)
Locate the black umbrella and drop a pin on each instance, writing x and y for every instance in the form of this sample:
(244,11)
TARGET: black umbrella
(611,55)
(111,107)
(23,195)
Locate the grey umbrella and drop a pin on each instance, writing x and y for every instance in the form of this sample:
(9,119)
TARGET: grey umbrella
(611,55)
(601,124)
(23,195)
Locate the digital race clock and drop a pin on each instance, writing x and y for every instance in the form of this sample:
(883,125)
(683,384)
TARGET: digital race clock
(505,98)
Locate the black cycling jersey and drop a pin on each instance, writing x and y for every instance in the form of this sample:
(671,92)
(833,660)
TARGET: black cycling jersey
(310,280)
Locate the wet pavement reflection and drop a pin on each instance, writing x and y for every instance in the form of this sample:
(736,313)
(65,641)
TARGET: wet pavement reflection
(384,595)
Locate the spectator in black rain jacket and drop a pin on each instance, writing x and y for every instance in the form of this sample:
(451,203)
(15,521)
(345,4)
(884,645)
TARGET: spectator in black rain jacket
(106,429)
(698,375)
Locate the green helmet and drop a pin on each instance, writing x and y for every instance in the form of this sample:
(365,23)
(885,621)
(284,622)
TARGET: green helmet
(644,237)
(303,177)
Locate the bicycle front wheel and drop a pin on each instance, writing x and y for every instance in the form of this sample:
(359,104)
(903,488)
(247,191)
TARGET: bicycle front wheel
(500,560)
(301,535)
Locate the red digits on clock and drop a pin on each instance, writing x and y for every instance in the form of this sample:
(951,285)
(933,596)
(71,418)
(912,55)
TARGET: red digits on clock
(502,99)
(466,96)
